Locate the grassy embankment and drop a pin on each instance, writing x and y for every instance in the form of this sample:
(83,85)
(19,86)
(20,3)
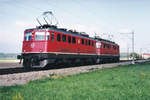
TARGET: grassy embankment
(130,82)
(9,60)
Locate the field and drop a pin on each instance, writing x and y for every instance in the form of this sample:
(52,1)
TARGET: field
(9,60)
(130,82)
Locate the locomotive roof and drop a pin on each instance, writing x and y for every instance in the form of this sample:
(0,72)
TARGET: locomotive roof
(63,30)
(104,40)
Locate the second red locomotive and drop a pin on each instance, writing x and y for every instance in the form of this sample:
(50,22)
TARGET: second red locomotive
(48,44)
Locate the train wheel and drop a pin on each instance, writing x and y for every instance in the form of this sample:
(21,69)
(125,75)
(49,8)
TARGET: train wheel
(28,63)
(43,63)
(24,63)
(31,63)
(97,61)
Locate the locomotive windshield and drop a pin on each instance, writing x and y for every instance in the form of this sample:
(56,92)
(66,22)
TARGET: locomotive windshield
(39,35)
(28,36)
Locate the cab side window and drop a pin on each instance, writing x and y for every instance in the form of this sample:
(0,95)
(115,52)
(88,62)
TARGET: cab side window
(47,35)
(89,42)
(82,41)
(52,37)
(86,42)
(104,45)
(64,38)
(92,43)
(58,37)
(73,40)
(69,39)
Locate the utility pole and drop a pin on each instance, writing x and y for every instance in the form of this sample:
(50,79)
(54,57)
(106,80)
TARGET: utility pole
(127,51)
(132,33)
(141,53)
(133,47)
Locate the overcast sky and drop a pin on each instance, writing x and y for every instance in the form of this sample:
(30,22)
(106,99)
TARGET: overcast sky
(91,16)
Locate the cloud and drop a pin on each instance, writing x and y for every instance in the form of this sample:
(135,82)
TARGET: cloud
(24,24)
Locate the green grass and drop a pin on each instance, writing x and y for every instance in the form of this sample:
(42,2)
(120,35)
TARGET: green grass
(130,82)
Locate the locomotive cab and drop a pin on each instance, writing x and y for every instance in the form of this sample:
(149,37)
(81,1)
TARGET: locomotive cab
(35,41)
(34,46)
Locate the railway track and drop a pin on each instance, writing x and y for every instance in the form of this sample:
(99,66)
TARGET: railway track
(12,68)
(20,69)
(19,75)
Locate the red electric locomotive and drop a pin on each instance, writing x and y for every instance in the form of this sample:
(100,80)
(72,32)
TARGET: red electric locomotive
(48,44)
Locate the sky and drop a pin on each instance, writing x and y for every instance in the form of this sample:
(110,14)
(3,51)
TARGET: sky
(109,19)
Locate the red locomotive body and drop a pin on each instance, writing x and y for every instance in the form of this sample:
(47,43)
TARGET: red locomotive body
(48,44)
(107,51)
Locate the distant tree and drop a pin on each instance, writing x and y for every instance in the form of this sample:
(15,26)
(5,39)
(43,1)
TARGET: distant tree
(135,55)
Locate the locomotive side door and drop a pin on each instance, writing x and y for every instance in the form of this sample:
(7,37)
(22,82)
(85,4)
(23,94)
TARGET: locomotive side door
(98,46)
(79,45)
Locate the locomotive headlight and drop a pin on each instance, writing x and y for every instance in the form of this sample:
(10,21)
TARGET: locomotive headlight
(24,50)
(40,50)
